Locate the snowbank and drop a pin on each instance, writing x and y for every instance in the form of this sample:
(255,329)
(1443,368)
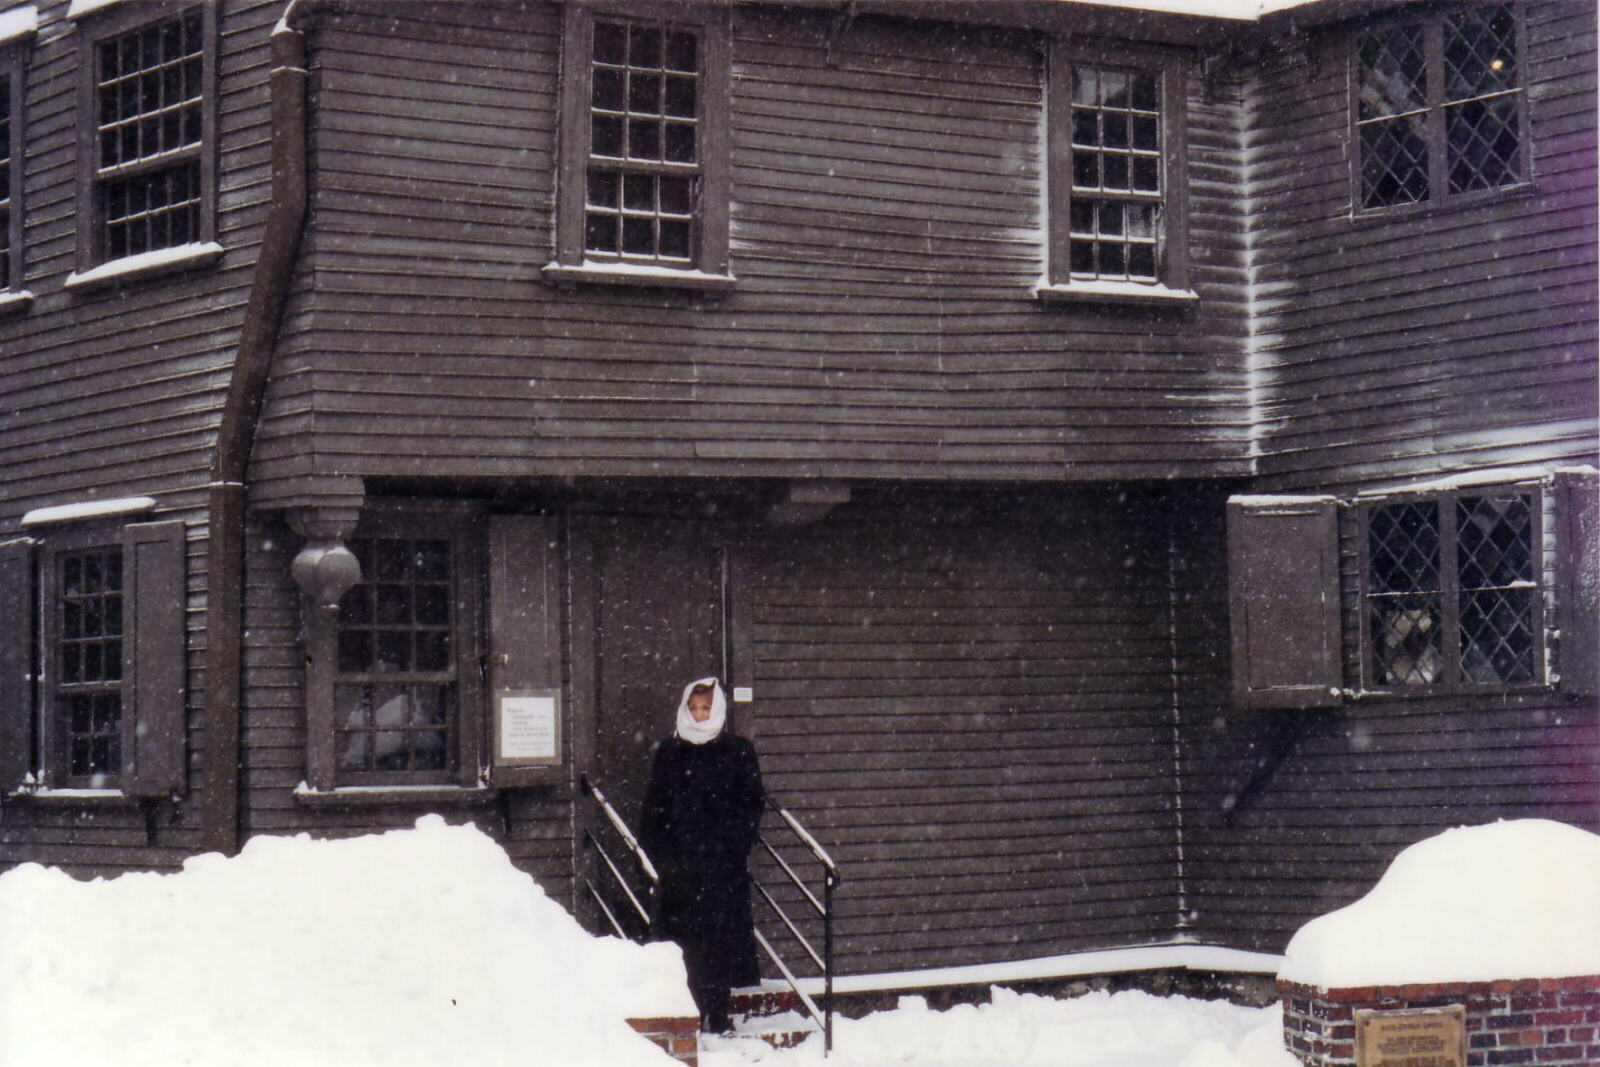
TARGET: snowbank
(415,947)
(1129,1029)
(1517,899)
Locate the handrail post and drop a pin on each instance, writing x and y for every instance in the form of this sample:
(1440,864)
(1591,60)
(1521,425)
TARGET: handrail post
(827,955)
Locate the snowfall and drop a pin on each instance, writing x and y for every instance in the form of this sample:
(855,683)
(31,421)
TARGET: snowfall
(426,947)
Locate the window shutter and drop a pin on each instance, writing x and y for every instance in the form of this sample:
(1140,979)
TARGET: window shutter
(1283,593)
(153,657)
(524,624)
(1578,579)
(16,663)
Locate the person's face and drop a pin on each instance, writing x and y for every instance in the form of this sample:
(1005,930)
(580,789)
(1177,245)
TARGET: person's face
(700,706)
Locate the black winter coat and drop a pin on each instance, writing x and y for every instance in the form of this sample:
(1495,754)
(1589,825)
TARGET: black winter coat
(702,812)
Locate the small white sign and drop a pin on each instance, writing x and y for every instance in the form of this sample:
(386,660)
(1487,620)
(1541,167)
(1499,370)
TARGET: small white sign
(743,694)
(528,727)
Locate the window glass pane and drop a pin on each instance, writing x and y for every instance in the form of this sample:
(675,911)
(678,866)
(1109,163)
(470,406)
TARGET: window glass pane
(1480,51)
(680,143)
(1146,132)
(609,88)
(604,185)
(674,238)
(1146,174)
(676,196)
(682,52)
(1405,635)
(680,94)
(644,93)
(1497,636)
(600,233)
(606,135)
(1403,548)
(1494,541)
(644,46)
(639,192)
(1142,261)
(1394,163)
(1085,85)
(644,139)
(610,43)
(1483,144)
(1392,73)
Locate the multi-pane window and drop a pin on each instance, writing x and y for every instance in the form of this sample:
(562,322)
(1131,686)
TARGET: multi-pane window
(88,689)
(1115,183)
(1438,109)
(1116,173)
(150,96)
(643,188)
(1453,590)
(644,142)
(394,693)
(6,280)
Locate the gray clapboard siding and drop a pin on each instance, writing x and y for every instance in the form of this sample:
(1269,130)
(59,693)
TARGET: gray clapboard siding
(975,721)
(884,222)
(1440,322)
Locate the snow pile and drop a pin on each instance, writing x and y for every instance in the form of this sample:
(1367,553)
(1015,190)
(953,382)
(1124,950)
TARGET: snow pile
(421,947)
(1131,1029)
(1517,899)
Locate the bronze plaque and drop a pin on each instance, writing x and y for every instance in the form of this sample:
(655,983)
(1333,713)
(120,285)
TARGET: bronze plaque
(1414,1037)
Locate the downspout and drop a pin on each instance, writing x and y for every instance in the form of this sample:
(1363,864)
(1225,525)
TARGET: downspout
(241,414)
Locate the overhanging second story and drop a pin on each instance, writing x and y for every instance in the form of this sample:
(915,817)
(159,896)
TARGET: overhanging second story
(1017,241)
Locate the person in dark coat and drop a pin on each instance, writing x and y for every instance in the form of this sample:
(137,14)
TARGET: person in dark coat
(702,811)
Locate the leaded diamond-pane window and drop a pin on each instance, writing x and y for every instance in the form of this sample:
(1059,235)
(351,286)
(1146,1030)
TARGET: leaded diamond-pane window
(1494,550)
(1116,173)
(1452,591)
(1482,100)
(1438,107)
(149,94)
(394,691)
(89,661)
(644,142)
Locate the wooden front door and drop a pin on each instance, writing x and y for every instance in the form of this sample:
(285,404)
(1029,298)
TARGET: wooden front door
(660,622)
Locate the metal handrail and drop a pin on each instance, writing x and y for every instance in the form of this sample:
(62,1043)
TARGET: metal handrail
(830,882)
(822,1016)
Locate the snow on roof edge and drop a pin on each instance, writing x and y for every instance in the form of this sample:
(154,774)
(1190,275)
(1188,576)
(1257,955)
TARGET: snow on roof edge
(1186,957)
(18,22)
(1233,10)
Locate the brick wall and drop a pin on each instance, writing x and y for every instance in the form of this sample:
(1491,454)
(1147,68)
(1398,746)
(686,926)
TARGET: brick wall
(678,1036)
(1547,1022)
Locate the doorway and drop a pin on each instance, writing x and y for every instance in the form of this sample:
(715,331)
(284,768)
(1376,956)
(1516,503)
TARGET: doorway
(660,622)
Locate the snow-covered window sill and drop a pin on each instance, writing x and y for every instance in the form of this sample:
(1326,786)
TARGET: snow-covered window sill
(592,273)
(360,795)
(1092,292)
(15,302)
(111,798)
(146,265)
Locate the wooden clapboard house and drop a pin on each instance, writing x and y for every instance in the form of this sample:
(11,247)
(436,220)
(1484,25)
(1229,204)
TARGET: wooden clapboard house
(1128,464)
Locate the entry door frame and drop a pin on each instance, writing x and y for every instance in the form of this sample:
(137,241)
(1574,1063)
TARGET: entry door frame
(581,535)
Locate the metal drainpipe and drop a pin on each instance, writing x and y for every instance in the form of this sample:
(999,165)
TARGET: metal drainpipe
(236,434)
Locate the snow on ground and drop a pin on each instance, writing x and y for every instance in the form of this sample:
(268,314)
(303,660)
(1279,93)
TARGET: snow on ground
(1130,1029)
(1513,899)
(420,947)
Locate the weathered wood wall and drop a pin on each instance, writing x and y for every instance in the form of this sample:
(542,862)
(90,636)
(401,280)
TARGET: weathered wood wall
(886,234)
(969,701)
(117,392)
(1420,341)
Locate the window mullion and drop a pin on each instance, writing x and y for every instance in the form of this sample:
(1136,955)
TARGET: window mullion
(1438,159)
(1450,581)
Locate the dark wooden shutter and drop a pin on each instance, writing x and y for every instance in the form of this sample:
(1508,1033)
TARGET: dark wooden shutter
(524,623)
(153,658)
(16,663)
(1283,595)
(1578,579)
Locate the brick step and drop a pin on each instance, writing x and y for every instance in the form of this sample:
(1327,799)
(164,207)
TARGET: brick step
(783,1030)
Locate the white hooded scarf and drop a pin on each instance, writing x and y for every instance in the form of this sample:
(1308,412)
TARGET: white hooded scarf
(698,733)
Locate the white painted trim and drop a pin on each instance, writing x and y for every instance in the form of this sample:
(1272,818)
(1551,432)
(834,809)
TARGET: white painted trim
(18,23)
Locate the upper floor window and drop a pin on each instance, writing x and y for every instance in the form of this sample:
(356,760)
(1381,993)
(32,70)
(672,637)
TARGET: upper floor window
(149,177)
(1116,176)
(11,86)
(644,173)
(1439,108)
(7,125)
